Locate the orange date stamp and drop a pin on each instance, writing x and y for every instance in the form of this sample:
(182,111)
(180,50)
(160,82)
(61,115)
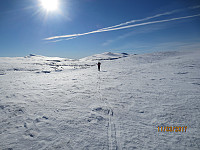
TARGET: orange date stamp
(172,129)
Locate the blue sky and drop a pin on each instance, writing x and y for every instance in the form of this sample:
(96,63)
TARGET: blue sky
(135,26)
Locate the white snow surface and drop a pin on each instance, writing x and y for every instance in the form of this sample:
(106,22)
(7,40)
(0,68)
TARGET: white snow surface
(49,103)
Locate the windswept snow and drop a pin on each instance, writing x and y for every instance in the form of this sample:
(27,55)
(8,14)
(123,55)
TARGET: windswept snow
(56,103)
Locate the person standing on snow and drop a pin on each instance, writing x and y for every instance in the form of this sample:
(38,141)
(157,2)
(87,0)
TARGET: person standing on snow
(99,65)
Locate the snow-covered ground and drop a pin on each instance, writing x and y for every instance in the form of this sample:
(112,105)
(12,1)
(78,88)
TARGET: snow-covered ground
(56,103)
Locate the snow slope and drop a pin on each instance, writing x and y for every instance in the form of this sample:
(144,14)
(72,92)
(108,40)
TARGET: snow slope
(57,103)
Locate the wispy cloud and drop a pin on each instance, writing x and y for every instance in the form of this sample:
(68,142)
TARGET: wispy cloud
(167,46)
(126,25)
(194,7)
(134,32)
(144,47)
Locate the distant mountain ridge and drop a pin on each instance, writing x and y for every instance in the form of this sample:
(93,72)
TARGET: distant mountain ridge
(105,56)
(96,57)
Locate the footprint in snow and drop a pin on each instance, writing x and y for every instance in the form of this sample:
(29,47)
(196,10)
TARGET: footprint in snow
(2,73)
(102,110)
(94,118)
(196,83)
(182,73)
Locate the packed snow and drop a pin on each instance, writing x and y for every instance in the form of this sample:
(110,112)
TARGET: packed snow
(49,103)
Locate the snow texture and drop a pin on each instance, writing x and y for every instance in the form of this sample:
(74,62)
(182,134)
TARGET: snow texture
(49,103)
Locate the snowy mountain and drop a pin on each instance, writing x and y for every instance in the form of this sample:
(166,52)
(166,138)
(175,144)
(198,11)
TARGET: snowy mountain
(105,56)
(49,103)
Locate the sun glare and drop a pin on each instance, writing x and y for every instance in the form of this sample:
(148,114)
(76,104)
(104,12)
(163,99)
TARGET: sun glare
(49,5)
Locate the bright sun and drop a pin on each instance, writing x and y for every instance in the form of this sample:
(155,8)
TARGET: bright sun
(49,5)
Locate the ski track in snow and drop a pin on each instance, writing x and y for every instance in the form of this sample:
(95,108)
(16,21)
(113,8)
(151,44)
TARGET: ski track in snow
(112,139)
(55,103)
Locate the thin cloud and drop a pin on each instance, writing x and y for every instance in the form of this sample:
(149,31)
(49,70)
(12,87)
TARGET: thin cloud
(125,25)
(194,7)
(152,17)
(134,32)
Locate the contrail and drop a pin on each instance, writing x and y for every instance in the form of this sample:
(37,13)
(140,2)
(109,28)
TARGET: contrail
(146,23)
(64,39)
(139,20)
(72,36)
(121,24)
(152,17)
